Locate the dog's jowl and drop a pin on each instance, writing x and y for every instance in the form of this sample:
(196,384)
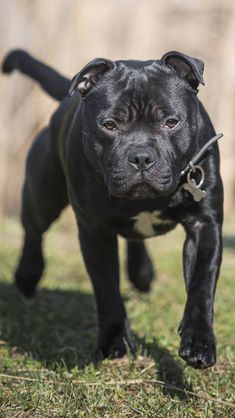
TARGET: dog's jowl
(115,150)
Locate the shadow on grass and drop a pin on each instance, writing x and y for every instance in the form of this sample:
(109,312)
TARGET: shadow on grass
(59,327)
(169,370)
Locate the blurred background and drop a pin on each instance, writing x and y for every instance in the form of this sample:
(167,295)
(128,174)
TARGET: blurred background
(68,34)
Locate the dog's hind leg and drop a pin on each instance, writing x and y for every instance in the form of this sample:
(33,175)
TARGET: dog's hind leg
(139,266)
(44,196)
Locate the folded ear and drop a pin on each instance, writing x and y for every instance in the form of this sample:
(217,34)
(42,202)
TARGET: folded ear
(88,76)
(187,67)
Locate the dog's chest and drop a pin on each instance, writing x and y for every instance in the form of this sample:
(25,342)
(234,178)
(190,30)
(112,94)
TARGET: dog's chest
(147,224)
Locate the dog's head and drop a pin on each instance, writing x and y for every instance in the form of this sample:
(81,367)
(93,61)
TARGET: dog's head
(140,121)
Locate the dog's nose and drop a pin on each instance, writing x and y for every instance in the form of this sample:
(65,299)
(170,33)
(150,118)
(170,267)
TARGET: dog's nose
(141,160)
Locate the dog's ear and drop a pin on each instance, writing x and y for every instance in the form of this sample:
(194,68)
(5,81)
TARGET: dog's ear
(187,67)
(88,76)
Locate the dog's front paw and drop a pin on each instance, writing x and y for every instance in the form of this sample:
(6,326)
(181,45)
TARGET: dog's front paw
(118,345)
(198,347)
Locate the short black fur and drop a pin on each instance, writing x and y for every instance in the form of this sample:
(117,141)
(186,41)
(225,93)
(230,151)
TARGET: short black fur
(115,151)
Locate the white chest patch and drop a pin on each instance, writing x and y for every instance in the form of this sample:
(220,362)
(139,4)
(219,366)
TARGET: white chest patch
(145,222)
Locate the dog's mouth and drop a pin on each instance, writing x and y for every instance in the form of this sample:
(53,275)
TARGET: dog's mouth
(141,186)
(142,191)
(137,191)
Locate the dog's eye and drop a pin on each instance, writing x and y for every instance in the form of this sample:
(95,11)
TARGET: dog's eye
(110,125)
(171,123)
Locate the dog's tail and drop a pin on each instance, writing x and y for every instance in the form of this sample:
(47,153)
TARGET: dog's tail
(50,80)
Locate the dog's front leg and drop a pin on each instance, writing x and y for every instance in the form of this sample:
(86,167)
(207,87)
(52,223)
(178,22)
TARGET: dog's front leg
(202,259)
(100,252)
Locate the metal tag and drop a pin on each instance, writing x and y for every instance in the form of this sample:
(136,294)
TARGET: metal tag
(192,187)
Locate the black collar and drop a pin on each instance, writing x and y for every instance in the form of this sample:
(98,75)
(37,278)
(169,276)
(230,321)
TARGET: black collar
(198,156)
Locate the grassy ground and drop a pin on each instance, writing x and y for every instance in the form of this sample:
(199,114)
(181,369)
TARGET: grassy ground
(47,345)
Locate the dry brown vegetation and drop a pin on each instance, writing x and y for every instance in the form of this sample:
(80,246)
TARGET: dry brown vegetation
(68,34)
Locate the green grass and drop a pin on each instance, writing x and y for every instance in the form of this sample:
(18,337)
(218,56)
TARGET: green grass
(47,345)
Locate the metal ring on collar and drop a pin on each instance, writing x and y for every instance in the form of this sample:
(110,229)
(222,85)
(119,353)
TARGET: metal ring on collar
(191,181)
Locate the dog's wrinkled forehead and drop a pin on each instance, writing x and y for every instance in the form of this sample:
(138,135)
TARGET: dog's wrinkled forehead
(140,88)
(135,93)
(138,75)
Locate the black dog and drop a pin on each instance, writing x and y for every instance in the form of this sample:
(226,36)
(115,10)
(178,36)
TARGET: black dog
(115,150)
